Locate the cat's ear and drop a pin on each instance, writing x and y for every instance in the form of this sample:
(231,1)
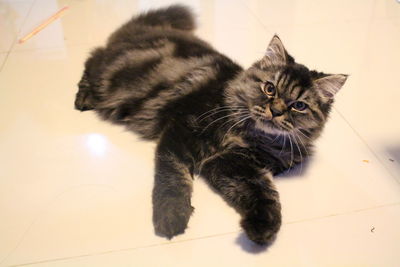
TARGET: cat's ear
(276,54)
(329,85)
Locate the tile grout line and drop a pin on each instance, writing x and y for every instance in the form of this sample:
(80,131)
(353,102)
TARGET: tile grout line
(123,250)
(44,211)
(16,36)
(197,238)
(255,16)
(367,145)
(320,22)
(28,50)
(247,7)
(1,69)
(345,213)
(22,26)
(371,20)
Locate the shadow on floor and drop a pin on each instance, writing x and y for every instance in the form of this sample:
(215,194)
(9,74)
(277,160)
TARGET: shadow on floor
(394,156)
(251,247)
(297,171)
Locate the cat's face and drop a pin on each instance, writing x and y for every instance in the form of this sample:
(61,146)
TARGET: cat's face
(282,97)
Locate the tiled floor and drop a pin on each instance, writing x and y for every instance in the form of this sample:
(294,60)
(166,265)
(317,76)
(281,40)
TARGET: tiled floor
(75,191)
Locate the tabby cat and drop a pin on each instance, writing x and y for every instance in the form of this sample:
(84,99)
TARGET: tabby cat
(234,127)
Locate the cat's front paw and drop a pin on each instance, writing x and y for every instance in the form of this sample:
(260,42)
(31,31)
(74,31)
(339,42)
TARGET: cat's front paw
(262,225)
(171,216)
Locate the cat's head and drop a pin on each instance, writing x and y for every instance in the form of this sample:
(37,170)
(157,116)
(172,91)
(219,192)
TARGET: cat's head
(280,96)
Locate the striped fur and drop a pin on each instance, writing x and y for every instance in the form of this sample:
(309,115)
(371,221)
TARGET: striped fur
(208,115)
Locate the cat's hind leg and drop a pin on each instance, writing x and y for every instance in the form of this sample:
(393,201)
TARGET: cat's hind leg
(84,99)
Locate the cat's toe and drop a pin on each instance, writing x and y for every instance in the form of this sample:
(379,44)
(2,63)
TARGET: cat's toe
(171,220)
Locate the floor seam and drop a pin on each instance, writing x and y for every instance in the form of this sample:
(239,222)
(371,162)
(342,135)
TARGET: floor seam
(345,213)
(16,36)
(198,238)
(368,146)
(122,250)
(320,22)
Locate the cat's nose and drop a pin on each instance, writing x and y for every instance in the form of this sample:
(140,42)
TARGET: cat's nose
(276,112)
(277,107)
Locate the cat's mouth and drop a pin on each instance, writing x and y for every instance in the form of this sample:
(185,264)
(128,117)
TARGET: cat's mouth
(270,125)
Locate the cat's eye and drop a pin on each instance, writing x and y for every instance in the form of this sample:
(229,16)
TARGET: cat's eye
(299,106)
(268,88)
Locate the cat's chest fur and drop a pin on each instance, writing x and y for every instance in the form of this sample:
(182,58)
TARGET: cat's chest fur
(275,153)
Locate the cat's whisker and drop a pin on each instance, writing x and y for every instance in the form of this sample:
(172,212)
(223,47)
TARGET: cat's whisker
(219,108)
(276,138)
(299,131)
(284,143)
(212,110)
(245,118)
(240,113)
(214,121)
(302,143)
(222,110)
(291,152)
(230,120)
(301,155)
(305,148)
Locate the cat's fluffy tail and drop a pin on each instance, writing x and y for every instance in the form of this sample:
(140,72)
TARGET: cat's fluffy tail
(176,16)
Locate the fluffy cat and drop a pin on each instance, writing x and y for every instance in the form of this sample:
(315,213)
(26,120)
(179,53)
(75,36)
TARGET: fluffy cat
(234,127)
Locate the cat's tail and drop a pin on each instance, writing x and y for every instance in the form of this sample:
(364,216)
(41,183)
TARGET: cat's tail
(179,17)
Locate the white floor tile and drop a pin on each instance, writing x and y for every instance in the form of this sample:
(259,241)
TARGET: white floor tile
(356,239)
(275,12)
(237,33)
(12,16)
(85,22)
(371,103)
(91,22)
(387,9)
(3,57)
(54,172)
(337,47)
(343,176)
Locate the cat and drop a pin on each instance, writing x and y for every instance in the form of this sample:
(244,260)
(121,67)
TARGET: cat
(234,127)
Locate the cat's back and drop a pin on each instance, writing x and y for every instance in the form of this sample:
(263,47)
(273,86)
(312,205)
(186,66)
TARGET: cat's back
(147,67)
(141,45)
